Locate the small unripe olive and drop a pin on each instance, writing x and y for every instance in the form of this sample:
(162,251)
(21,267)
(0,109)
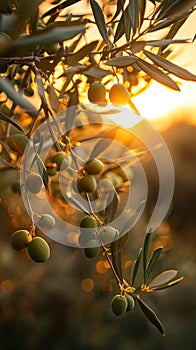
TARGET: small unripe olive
(87,230)
(46,221)
(91,252)
(51,171)
(108,234)
(88,222)
(34,183)
(96,92)
(62,160)
(39,249)
(130,303)
(94,166)
(119,304)
(119,95)
(87,183)
(28,92)
(20,239)
(17,143)
(16,187)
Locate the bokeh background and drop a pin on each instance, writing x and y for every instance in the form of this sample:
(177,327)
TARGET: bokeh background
(65,303)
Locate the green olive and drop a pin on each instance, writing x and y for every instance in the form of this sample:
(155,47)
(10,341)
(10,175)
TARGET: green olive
(17,143)
(46,221)
(39,250)
(92,250)
(34,183)
(20,239)
(119,304)
(87,183)
(87,230)
(96,92)
(88,222)
(62,160)
(130,303)
(94,166)
(119,95)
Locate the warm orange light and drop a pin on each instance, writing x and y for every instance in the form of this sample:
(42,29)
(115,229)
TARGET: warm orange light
(87,284)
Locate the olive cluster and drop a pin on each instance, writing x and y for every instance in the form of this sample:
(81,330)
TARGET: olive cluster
(58,161)
(37,247)
(118,94)
(86,181)
(122,303)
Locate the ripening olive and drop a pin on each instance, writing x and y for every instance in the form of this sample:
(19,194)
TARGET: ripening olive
(17,143)
(108,234)
(88,222)
(130,303)
(94,166)
(20,239)
(62,160)
(87,230)
(87,183)
(34,183)
(119,304)
(96,92)
(119,95)
(46,221)
(39,249)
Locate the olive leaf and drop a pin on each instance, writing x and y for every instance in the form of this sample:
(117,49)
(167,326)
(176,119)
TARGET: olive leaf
(16,97)
(100,146)
(145,253)
(163,278)
(124,26)
(167,285)
(42,170)
(8,165)
(122,61)
(155,255)
(134,14)
(53,98)
(170,67)
(119,8)
(83,52)
(156,74)
(100,20)
(175,8)
(5,118)
(96,72)
(116,250)
(136,265)
(167,23)
(111,206)
(71,111)
(141,9)
(56,9)
(150,314)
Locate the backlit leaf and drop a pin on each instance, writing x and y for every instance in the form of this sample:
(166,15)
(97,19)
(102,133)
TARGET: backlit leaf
(157,74)
(42,170)
(116,250)
(151,316)
(155,255)
(145,253)
(134,14)
(83,52)
(167,285)
(132,218)
(122,61)
(163,278)
(59,7)
(170,67)
(111,206)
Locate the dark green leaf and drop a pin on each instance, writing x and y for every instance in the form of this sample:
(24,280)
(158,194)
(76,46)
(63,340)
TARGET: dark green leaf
(145,253)
(167,23)
(100,20)
(83,52)
(122,61)
(53,98)
(175,8)
(136,267)
(155,255)
(116,251)
(124,26)
(132,218)
(49,36)
(42,170)
(119,8)
(142,8)
(16,97)
(165,42)
(150,314)
(170,67)
(134,14)
(157,74)
(71,111)
(59,7)
(10,121)
(111,206)
(96,72)
(163,278)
